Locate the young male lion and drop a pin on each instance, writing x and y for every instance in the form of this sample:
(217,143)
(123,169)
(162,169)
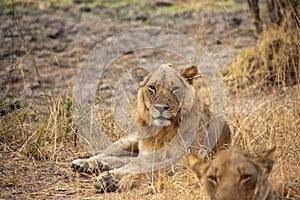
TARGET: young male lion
(233,174)
(171,121)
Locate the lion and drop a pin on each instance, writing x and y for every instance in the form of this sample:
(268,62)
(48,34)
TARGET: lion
(234,174)
(171,122)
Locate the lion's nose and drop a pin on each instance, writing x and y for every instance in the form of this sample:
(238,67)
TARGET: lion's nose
(161,108)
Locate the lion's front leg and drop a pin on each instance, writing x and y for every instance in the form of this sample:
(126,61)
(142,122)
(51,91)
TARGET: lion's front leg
(116,155)
(98,163)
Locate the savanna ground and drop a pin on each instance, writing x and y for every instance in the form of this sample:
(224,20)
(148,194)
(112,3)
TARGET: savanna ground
(42,46)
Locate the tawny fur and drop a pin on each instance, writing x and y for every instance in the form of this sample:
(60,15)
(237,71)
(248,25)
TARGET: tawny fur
(234,174)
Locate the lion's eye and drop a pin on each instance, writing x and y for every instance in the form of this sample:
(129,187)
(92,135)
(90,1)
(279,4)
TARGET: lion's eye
(245,177)
(212,179)
(152,88)
(175,90)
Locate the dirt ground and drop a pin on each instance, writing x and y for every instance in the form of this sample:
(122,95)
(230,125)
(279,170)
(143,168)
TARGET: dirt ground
(42,47)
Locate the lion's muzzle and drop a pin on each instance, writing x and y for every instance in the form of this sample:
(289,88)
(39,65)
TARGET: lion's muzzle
(161,114)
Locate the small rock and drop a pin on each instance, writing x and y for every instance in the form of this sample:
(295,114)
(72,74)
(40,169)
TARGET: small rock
(164,3)
(77,1)
(86,9)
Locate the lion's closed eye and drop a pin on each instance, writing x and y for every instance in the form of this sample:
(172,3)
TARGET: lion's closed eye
(245,178)
(212,179)
(175,90)
(152,88)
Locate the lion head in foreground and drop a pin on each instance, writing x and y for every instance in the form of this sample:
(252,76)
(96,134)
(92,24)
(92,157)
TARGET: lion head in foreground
(165,96)
(233,174)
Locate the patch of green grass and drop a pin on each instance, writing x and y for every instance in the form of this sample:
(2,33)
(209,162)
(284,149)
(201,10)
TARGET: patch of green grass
(8,108)
(33,149)
(204,6)
(60,3)
(115,3)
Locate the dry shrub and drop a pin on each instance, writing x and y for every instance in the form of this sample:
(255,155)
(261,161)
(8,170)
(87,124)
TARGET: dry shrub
(56,131)
(274,60)
(39,136)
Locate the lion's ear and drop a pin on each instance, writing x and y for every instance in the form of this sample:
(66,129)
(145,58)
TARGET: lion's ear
(189,73)
(138,74)
(195,163)
(267,159)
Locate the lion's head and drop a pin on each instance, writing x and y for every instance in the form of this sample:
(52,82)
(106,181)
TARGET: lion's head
(165,95)
(234,174)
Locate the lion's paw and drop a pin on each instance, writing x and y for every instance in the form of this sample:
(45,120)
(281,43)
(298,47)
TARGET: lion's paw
(106,183)
(90,165)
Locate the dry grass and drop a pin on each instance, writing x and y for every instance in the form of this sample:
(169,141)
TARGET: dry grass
(38,147)
(273,61)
